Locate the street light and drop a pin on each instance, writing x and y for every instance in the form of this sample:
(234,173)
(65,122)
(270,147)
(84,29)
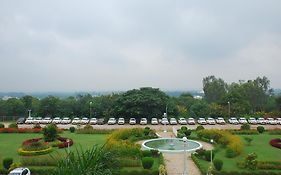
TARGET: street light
(68,151)
(228,109)
(211,166)
(29,113)
(90,109)
(184,139)
(166,116)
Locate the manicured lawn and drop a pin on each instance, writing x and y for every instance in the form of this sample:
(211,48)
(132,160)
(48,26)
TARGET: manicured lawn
(260,145)
(9,143)
(155,166)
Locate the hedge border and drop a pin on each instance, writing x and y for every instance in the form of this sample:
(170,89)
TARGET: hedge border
(34,153)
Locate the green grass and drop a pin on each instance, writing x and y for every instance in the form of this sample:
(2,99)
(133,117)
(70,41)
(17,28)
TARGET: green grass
(10,142)
(260,145)
(155,166)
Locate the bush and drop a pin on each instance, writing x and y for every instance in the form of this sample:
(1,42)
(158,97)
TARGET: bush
(72,129)
(13,125)
(44,160)
(146,153)
(139,172)
(37,126)
(154,152)
(2,125)
(218,164)
(7,162)
(275,131)
(260,129)
(162,170)
(245,126)
(22,152)
(248,140)
(244,132)
(198,164)
(146,131)
(251,161)
(230,153)
(88,127)
(147,162)
(4,171)
(50,133)
(200,127)
(208,154)
(129,162)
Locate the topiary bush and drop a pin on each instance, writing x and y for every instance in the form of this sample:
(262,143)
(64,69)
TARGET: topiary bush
(208,154)
(218,164)
(245,126)
(147,162)
(260,129)
(230,153)
(72,129)
(146,153)
(200,127)
(2,125)
(13,125)
(50,133)
(7,162)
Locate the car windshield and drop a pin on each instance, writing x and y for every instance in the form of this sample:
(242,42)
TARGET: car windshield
(14,174)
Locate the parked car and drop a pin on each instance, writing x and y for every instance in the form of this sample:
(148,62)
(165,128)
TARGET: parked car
(202,121)
(233,121)
(261,121)
(182,121)
(243,121)
(191,121)
(46,120)
(93,121)
(111,121)
(56,120)
(66,120)
(29,120)
(21,120)
(100,121)
(220,121)
(278,121)
(132,121)
(164,121)
(271,121)
(143,121)
(76,121)
(121,121)
(84,121)
(37,120)
(20,171)
(252,121)
(211,121)
(173,121)
(154,121)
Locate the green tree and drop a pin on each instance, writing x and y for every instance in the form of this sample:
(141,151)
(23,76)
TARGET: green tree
(214,88)
(50,133)
(14,107)
(49,106)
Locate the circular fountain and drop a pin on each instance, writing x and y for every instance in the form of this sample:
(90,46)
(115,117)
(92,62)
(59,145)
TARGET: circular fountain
(170,145)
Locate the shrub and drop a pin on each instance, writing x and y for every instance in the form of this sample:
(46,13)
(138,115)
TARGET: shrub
(13,125)
(275,131)
(147,162)
(248,140)
(50,133)
(200,153)
(37,126)
(34,153)
(2,125)
(245,126)
(154,152)
(208,154)
(200,127)
(269,165)
(129,162)
(14,165)
(94,131)
(162,170)
(146,131)
(218,164)
(244,132)
(43,160)
(7,162)
(230,153)
(260,129)
(139,172)
(4,171)
(251,161)
(35,146)
(88,127)
(146,153)
(198,164)
(72,129)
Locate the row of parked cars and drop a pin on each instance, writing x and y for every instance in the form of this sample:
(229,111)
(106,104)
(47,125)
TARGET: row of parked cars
(144,121)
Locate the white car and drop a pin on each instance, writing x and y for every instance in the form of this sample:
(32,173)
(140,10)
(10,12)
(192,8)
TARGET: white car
(84,121)
(243,121)
(20,171)
(202,121)
(173,121)
(111,121)
(211,121)
(154,121)
(29,120)
(164,121)
(182,121)
(121,121)
(132,121)
(143,121)
(252,121)
(37,120)
(271,121)
(93,121)
(233,121)
(66,120)
(191,121)
(76,121)
(56,120)
(278,121)
(46,120)
(220,121)
(261,121)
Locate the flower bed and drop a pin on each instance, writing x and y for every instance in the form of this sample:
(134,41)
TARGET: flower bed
(64,143)
(275,143)
(34,153)
(20,130)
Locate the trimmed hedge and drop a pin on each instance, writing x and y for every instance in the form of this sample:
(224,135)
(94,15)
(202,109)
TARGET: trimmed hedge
(139,172)
(198,164)
(147,162)
(34,153)
(64,143)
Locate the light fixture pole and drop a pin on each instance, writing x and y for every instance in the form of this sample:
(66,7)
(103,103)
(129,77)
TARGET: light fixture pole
(166,116)
(68,151)
(29,113)
(91,109)
(211,166)
(228,109)
(184,139)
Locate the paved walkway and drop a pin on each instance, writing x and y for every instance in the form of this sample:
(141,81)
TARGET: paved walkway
(175,161)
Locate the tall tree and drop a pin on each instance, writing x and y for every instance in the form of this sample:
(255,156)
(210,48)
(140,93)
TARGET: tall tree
(214,88)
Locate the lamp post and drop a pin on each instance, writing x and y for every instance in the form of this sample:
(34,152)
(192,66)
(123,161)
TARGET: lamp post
(184,139)
(68,151)
(166,116)
(228,109)
(211,166)
(29,113)
(90,109)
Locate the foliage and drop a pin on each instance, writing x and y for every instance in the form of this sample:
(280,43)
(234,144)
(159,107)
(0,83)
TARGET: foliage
(72,129)
(184,132)
(199,127)
(198,164)
(218,164)
(7,162)
(245,126)
(260,129)
(14,165)
(269,165)
(251,161)
(34,153)
(275,143)
(162,170)
(44,160)
(208,154)
(214,89)
(244,132)
(94,161)
(88,127)
(37,126)
(2,125)
(65,142)
(139,172)
(248,140)
(50,133)
(129,162)
(13,125)
(20,130)
(245,173)
(230,153)
(147,162)
(275,131)
(94,131)
(34,146)
(146,153)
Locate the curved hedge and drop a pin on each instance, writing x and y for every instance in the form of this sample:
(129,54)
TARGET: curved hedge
(34,153)
(275,143)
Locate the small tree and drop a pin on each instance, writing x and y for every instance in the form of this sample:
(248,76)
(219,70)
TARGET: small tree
(260,129)
(218,164)
(50,133)
(2,125)
(7,162)
(245,126)
(251,161)
(72,129)
(248,140)
(208,154)
(13,125)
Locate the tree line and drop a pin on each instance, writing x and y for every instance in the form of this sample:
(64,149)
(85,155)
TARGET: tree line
(252,97)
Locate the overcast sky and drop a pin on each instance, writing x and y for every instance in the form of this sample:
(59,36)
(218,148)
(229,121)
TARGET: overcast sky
(65,45)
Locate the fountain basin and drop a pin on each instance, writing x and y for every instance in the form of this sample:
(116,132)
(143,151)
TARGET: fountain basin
(170,145)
